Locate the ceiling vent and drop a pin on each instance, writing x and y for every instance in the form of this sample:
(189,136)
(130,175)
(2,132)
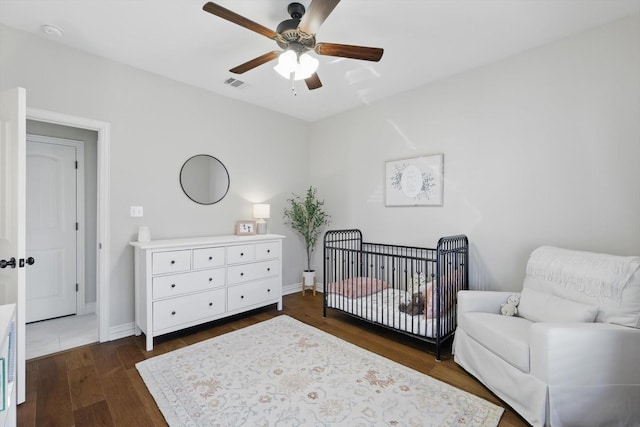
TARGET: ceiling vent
(233,82)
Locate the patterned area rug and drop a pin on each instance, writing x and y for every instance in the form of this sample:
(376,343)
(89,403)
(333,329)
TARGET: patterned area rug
(283,372)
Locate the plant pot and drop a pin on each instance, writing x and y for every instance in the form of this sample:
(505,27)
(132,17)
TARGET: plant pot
(309,280)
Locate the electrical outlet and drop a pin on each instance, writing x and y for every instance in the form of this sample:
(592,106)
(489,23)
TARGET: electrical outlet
(135,211)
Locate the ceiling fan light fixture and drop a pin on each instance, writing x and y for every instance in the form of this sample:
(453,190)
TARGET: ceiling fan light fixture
(302,66)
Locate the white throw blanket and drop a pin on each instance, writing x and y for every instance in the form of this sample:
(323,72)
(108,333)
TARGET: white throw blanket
(599,276)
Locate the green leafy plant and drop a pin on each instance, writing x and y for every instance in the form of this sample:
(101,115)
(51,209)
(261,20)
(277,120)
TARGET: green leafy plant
(307,217)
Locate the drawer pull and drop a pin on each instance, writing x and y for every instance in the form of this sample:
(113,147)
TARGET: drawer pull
(241,274)
(269,269)
(173,262)
(268,290)
(210,258)
(173,285)
(173,313)
(241,253)
(241,296)
(268,251)
(211,279)
(210,304)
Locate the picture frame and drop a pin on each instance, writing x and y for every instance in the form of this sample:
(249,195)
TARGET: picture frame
(416,181)
(246,228)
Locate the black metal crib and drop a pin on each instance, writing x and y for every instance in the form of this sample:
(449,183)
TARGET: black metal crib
(408,289)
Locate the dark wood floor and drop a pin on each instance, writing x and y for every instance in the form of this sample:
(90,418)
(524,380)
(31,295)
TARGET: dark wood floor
(98,384)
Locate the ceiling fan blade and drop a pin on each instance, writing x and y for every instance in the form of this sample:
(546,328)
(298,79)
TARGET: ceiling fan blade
(316,14)
(313,82)
(348,51)
(238,19)
(250,65)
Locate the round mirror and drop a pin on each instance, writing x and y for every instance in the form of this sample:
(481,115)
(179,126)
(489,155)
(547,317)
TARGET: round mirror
(204,179)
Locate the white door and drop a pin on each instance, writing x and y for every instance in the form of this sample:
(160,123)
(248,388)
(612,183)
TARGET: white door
(13,124)
(51,225)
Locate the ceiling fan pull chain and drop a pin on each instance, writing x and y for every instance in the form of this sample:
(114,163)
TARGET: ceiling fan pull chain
(293,83)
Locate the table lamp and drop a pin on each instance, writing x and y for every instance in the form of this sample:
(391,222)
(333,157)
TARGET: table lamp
(261,212)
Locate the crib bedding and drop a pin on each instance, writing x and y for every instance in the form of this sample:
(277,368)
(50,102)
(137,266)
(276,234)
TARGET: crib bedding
(382,307)
(355,287)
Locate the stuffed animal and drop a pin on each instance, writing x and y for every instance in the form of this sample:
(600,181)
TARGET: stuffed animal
(510,308)
(415,306)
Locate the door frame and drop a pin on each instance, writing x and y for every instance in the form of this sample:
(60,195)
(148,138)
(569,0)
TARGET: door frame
(103,184)
(80,219)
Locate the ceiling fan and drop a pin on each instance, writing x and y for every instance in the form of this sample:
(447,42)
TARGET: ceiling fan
(297,36)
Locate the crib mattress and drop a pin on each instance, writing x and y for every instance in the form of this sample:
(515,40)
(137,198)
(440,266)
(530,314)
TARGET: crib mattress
(382,307)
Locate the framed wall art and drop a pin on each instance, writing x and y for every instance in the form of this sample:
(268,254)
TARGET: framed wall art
(417,181)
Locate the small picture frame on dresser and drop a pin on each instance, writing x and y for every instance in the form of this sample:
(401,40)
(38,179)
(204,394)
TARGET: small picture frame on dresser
(245,228)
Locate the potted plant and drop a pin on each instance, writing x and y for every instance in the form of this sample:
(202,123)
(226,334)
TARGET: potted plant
(307,217)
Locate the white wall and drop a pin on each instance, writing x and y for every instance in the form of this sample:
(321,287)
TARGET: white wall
(541,148)
(156,124)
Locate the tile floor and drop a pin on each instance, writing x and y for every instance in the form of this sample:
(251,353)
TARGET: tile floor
(51,336)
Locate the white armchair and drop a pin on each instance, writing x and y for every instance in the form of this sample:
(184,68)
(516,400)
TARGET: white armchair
(572,355)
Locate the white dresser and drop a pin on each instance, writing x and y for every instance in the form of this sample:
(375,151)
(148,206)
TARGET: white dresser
(185,282)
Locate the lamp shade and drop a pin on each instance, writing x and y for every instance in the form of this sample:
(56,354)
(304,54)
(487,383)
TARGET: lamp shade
(261,210)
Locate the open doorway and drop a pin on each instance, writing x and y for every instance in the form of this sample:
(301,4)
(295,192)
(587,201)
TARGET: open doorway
(100,246)
(61,231)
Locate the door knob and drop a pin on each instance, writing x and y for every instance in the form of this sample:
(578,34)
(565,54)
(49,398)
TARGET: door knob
(29,261)
(11,263)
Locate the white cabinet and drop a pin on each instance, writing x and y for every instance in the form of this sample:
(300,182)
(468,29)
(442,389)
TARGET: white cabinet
(184,282)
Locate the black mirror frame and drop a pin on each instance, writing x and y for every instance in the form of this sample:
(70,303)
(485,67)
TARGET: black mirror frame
(225,170)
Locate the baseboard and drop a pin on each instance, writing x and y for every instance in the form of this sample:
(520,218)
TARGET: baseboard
(121,331)
(297,287)
(89,307)
(291,289)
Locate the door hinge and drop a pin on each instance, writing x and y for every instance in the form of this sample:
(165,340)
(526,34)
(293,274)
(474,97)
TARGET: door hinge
(76,226)
(77,287)
(76,164)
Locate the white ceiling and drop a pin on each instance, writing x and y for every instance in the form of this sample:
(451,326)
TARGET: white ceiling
(423,40)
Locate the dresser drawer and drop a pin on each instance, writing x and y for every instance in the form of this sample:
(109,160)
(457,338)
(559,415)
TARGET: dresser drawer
(208,258)
(252,271)
(253,293)
(240,253)
(171,262)
(267,250)
(178,284)
(177,311)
